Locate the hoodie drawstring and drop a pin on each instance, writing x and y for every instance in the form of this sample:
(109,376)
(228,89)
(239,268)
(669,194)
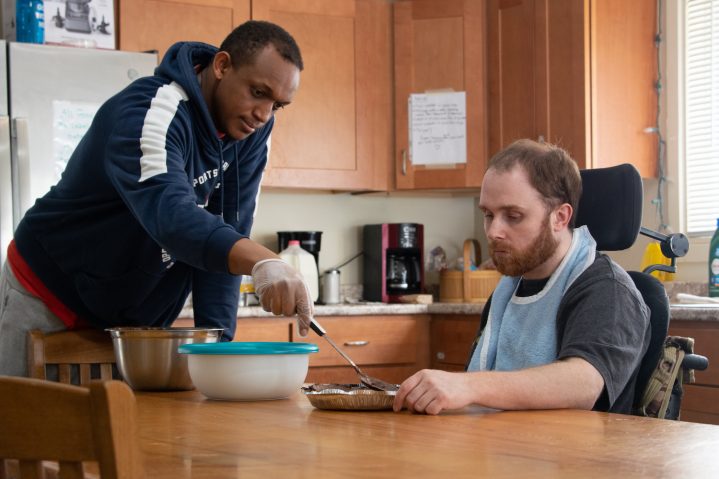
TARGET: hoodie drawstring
(222,182)
(237,187)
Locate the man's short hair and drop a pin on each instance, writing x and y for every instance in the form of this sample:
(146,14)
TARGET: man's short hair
(247,40)
(551,171)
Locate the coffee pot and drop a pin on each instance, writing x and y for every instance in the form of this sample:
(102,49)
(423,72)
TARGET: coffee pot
(392,261)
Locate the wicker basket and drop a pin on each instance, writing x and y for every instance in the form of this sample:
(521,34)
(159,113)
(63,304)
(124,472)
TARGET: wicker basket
(468,286)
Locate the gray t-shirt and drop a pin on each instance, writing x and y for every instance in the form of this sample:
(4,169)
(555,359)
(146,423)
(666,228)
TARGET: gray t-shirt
(603,319)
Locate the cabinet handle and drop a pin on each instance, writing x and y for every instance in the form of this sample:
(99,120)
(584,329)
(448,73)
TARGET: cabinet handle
(404,162)
(356,343)
(440,355)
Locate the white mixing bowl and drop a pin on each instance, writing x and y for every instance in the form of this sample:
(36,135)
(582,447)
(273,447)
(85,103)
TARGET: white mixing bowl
(248,371)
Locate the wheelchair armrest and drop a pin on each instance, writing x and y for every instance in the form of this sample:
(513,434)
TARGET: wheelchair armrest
(695,361)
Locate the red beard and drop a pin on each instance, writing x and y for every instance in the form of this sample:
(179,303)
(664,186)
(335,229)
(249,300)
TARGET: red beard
(517,263)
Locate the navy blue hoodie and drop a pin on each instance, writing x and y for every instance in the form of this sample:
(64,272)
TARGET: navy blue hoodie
(149,206)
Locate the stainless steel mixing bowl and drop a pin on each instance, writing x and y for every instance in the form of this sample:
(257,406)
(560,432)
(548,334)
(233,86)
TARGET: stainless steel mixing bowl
(148,359)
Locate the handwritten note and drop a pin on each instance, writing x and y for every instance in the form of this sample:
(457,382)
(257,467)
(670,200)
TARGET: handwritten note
(70,121)
(438,128)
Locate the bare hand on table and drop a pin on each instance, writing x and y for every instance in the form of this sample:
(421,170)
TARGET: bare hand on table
(431,391)
(282,290)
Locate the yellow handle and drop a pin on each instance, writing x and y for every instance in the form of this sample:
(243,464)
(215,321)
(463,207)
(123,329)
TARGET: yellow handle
(653,255)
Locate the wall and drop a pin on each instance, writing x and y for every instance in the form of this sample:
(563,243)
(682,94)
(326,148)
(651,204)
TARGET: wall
(447,222)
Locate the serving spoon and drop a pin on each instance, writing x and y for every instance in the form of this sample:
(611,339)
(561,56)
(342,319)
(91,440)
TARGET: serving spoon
(369,381)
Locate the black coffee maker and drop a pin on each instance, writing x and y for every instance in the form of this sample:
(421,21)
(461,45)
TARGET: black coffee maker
(392,261)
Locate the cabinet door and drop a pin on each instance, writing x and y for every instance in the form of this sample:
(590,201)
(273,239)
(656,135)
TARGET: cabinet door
(624,72)
(336,134)
(536,74)
(451,340)
(701,399)
(579,74)
(156,25)
(440,45)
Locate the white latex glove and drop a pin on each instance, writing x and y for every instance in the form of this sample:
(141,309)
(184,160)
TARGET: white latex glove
(283,290)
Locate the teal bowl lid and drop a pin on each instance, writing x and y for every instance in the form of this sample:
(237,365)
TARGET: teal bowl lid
(248,348)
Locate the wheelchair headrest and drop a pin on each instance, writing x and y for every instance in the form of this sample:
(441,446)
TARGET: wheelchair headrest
(611,206)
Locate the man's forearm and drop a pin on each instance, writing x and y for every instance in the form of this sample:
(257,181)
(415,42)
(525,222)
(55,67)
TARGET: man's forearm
(245,253)
(570,383)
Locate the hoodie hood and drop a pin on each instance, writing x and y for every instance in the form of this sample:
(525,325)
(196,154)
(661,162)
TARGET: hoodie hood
(178,65)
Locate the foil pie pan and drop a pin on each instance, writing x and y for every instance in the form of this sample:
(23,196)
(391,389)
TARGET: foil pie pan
(349,397)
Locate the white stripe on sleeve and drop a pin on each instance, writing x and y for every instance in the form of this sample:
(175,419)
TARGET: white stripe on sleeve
(154,130)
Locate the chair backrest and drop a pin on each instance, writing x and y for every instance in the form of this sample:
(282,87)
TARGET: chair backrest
(81,349)
(43,420)
(611,207)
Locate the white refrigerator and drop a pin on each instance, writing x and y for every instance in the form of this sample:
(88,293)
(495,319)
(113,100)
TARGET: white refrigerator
(48,97)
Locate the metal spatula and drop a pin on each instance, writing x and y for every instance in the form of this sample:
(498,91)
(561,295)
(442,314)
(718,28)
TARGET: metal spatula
(368,381)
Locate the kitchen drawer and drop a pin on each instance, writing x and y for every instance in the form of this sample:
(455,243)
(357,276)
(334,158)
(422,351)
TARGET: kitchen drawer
(371,340)
(700,404)
(252,329)
(451,338)
(706,343)
(263,329)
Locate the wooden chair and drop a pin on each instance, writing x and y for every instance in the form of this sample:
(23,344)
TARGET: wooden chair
(79,349)
(43,420)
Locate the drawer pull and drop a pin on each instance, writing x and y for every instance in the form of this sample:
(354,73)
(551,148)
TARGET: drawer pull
(356,343)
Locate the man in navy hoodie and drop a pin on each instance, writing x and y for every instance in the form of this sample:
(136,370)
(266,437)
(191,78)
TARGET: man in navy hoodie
(157,201)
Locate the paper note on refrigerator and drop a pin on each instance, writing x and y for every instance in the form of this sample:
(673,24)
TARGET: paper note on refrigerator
(438,128)
(70,121)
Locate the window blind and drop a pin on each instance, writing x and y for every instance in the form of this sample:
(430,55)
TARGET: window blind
(701,107)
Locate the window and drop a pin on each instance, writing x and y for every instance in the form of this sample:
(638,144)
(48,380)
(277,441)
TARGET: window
(701,110)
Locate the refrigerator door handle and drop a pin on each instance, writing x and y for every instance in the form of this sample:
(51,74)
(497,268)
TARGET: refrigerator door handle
(21,174)
(6,201)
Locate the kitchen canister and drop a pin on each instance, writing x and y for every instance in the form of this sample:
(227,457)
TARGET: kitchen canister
(331,287)
(469,285)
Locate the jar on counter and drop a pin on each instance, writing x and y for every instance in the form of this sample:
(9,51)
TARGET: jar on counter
(247,291)
(331,287)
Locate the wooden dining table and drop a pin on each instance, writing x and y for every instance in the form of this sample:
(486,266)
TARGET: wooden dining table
(184,435)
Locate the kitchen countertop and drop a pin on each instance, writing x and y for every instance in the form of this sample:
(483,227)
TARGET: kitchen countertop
(369,309)
(679,312)
(694,312)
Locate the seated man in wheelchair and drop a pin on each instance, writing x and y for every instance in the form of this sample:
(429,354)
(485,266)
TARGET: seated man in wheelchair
(566,327)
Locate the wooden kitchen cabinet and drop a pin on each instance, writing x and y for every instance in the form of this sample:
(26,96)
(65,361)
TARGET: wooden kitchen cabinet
(337,134)
(157,24)
(440,45)
(451,338)
(701,399)
(578,73)
(275,329)
(252,329)
(391,348)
